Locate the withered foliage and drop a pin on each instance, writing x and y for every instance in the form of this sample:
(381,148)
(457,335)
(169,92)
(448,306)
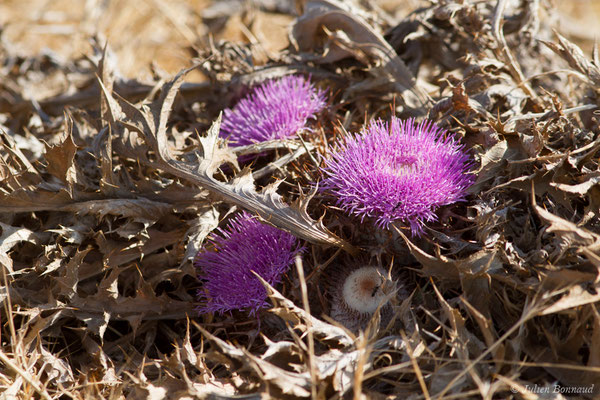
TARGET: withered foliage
(109,186)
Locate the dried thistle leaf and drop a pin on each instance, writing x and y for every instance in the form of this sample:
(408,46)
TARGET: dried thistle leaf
(349,35)
(289,383)
(575,57)
(150,122)
(60,159)
(567,230)
(288,311)
(592,180)
(11,236)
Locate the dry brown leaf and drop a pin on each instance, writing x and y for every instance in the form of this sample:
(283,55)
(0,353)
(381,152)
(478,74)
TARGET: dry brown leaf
(482,262)
(592,180)
(349,35)
(11,236)
(288,311)
(491,165)
(22,163)
(206,222)
(145,305)
(60,159)
(567,230)
(118,253)
(151,124)
(575,57)
(575,296)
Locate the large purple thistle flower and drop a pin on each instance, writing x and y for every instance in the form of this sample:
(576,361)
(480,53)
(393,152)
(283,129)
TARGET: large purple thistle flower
(398,171)
(276,109)
(247,245)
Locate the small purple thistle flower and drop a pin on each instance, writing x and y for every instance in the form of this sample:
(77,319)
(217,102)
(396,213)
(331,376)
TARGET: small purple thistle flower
(277,109)
(247,245)
(398,171)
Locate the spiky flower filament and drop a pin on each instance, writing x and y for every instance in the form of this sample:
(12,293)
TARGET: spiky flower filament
(398,171)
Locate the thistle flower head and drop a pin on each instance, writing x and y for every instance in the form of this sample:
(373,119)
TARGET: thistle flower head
(276,109)
(357,291)
(398,171)
(246,245)
(362,289)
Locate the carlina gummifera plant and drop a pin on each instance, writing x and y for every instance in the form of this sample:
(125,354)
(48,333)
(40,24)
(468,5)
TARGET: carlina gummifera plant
(226,264)
(398,171)
(276,109)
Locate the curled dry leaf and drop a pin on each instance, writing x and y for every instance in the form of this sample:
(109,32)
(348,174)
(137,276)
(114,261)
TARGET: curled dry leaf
(288,383)
(60,159)
(288,311)
(577,60)
(349,35)
(10,237)
(567,230)
(483,261)
(592,180)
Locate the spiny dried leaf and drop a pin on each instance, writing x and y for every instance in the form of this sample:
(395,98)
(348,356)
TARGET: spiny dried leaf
(288,311)
(351,36)
(11,236)
(23,200)
(60,159)
(118,253)
(139,208)
(57,369)
(581,188)
(569,231)
(145,305)
(289,383)
(575,296)
(151,123)
(484,261)
(575,57)
(199,230)
(22,163)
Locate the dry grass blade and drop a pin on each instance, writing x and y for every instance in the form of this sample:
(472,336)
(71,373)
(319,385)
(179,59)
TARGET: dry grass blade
(26,376)
(311,340)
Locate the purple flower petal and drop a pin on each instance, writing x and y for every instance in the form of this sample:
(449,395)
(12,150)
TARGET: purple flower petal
(398,171)
(276,109)
(246,245)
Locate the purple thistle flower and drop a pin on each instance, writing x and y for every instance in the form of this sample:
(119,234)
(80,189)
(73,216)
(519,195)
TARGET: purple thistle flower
(277,109)
(247,245)
(398,171)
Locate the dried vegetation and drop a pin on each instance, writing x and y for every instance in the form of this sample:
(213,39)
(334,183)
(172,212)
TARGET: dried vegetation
(110,185)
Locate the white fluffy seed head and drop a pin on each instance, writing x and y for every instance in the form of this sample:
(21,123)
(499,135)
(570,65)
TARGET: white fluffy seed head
(356,292)
(363,289)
